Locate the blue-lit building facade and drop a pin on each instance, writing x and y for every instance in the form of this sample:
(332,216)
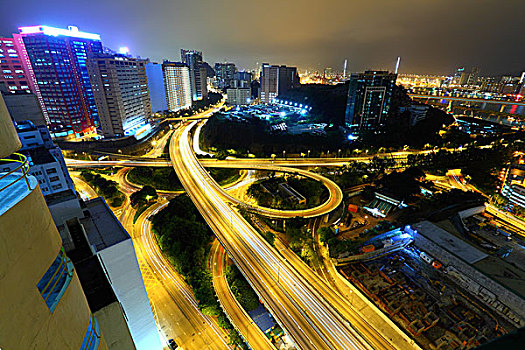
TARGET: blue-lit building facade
(369,99)
(121,93)
(157,93)
(58,60)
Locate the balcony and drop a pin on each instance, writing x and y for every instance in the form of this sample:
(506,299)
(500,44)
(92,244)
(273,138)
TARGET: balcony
(15,181)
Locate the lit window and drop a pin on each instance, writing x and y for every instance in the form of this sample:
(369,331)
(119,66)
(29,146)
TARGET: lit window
(56,279)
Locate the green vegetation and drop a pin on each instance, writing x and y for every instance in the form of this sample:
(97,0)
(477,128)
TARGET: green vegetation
(301,241)
(184,238)
(241,289)
(255,135)
(165,178)
(403,185)
(142,199)
(481,164)
(224,176)
(105,188)
(312,190)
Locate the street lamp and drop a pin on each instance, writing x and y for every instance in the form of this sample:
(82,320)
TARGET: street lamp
(308,153)
(284,154)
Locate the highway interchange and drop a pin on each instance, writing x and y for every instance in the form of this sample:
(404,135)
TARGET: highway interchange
(313,313)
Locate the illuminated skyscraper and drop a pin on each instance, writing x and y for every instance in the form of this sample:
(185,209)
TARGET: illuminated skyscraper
(121,93)
(177,85)
(193,59)
(369,99)
(14,72)
(276,80)
(58,60)
(224,75)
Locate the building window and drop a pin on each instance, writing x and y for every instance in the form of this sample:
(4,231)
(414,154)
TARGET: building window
(92,337)
(54,178)
(55,281)
(56,187)
(51,171)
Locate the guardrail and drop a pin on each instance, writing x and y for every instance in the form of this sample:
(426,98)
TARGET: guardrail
(22,169)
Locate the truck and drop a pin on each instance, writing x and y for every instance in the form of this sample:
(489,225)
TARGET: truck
(425,257)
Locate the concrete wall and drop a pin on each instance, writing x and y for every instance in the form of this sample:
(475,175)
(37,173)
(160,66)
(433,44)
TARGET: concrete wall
(9,141)
(504,301)
(114,326)
(29,242)
(121,265)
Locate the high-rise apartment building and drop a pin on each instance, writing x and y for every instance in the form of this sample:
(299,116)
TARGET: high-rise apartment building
(238,96)
(224,75)
(177,85)
(157,93)
(14,71)
(369,99)
(42,302)
(121,93)
(198,81)
(58,66)
(276,80)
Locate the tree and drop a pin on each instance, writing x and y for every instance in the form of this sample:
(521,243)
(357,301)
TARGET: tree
(143,197)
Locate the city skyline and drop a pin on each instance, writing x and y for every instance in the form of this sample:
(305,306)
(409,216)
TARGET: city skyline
(430,38)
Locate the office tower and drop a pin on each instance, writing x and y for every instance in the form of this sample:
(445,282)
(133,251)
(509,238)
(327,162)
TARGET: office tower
(14,73)
(224,75)
(457,75)
(121,94)
(203,82)
(58,60)
(43,305)
(177,85)
(243,76)
(198,82)
(23,106)
(238,96)
(369,99)
(472,78)
(276,80)
(157,93)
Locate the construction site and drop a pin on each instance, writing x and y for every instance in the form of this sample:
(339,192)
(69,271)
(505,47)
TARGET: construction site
(415,293)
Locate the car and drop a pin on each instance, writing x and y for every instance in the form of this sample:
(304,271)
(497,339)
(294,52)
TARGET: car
(172,344)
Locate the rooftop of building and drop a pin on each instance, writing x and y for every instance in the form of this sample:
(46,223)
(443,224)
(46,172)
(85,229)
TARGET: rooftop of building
(503,272)
(40,155)
(507,274)
(95,284)
(448,241)
(24,125)
(104,230)
(60,197)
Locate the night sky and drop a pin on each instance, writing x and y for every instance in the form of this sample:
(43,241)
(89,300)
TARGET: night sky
(431,36)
